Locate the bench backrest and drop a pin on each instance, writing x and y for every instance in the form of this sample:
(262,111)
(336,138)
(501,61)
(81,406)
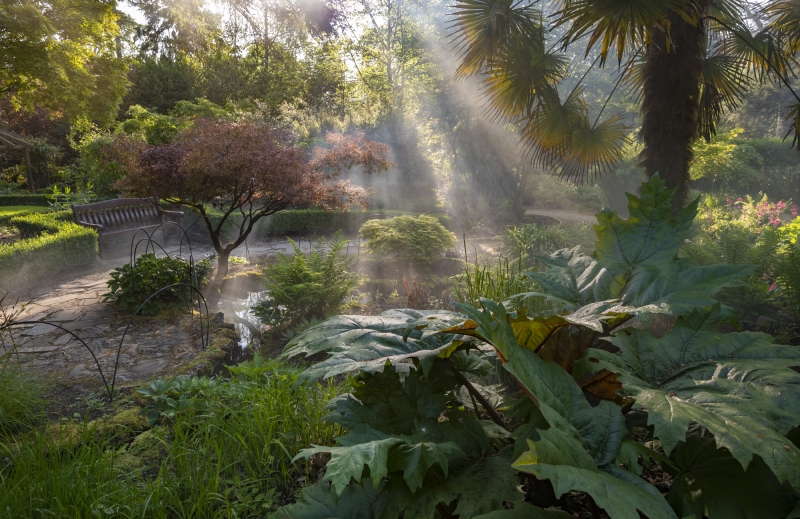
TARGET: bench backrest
(120,214)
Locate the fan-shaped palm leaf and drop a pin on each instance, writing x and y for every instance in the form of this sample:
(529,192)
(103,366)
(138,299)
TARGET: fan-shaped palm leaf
(484,27)
(521,75)
(760,52)
(623,24)
(785,16)
(723,84)
(594,148)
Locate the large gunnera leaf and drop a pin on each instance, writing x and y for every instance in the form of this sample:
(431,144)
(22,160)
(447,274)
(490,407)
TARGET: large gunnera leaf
(737,385)
(711,483)
(367,343)
(580,448)
(559,456)
(480,487)
(636,262)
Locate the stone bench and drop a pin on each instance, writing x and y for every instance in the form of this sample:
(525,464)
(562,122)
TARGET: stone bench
(122,217)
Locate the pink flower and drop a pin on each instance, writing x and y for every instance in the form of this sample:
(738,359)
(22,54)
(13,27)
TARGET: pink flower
(738,199)
(773,287)
(730,202)
(781,205)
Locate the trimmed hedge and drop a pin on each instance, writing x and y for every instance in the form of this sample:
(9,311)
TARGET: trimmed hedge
(304,222)
(42,200)
(50,242)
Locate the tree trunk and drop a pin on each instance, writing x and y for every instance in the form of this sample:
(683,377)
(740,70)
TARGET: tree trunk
(222,266)
(670,104)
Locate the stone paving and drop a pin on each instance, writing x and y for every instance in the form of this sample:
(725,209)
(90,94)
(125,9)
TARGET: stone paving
(153,347)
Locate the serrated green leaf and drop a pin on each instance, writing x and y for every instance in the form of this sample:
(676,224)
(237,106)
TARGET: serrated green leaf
(381,401)
(348,462)
(559,457)
(460,427)
(738,385)
(479,488)
(319,502)
(602,428)
(635,262)
(415,460)
(523,510)
(629,456)
(368,343)
(467,362)
(649,234)
(711,483)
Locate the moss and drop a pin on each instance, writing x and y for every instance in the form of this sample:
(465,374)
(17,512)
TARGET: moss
(213,360)
(126,420)
(146,450)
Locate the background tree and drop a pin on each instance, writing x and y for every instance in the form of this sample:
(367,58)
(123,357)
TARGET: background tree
(62,55)
(246,171)
(691,60)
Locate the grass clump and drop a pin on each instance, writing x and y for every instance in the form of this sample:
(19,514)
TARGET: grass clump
(21,398)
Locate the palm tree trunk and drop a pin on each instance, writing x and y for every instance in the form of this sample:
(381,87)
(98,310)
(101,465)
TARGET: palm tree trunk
(670,104)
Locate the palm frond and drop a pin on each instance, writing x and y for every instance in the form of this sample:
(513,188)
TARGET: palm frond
(784,16)
(483,27)
(723,83)
(560,136)
(593,149)
(620,24)
(520,75)
(761,52)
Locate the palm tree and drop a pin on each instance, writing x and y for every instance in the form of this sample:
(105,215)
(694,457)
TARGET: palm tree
(689,60)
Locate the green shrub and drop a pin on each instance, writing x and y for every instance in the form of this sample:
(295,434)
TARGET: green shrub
(49,243)
(130,287)
(419,240)
(306,286)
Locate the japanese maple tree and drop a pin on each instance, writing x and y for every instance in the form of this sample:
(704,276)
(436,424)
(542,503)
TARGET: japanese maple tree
(247,171)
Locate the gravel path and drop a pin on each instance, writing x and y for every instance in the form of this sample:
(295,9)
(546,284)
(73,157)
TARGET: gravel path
(563,216)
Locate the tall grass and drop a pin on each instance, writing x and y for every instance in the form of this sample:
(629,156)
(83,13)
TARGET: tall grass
(497,281)
(230,457)
(21,400)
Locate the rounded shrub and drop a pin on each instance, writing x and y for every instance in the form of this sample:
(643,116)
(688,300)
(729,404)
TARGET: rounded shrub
(418,240)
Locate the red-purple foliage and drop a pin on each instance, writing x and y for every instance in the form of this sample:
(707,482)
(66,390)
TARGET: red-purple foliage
(246,170)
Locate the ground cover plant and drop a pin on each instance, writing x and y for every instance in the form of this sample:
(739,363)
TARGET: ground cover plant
(593,405)
(224,451)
